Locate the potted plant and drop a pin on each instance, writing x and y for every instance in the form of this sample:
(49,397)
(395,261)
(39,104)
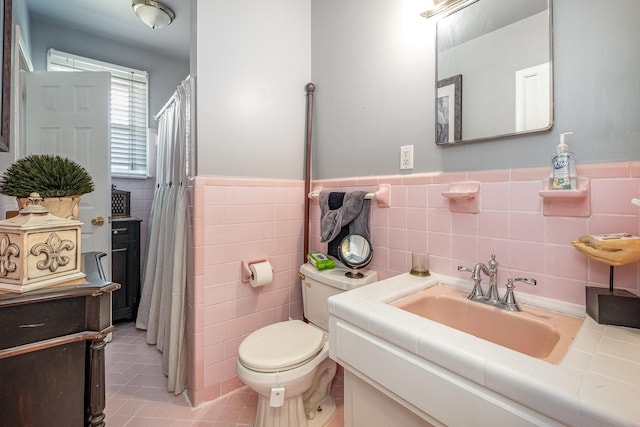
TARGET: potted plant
(59,181)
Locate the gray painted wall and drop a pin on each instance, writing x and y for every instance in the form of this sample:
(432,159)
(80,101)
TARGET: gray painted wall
(165,73)
(375,91)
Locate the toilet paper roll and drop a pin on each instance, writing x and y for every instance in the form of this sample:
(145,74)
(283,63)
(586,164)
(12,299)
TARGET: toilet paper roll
(261,274)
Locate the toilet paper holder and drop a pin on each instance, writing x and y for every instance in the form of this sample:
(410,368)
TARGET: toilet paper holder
(246,271)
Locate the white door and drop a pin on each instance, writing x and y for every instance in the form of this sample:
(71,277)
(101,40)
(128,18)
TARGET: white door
(67,113)
(533,98)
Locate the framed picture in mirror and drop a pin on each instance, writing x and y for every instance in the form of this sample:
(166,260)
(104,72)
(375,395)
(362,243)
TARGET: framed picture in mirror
(5,86)
(449,110)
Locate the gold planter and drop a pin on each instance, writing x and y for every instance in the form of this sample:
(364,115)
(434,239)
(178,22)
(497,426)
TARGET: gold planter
(63,207)
(38,249)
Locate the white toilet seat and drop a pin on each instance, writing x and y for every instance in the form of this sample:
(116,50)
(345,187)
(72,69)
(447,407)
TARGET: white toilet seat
(281,346)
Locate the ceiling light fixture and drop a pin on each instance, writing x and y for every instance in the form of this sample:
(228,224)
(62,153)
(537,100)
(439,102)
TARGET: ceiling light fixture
(153,13)
(441,6)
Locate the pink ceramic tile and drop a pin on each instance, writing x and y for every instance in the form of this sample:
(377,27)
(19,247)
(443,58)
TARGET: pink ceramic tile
(488,246)
(527,226)
(379,217)
(604,170)
(527,256)
(398,238)
(439,220)
(398,217)
(462,223)
(613,196)
(625,276)
(565,261)
(417,241)
(440,244)
(398,261)
(562,230)
(213,195)
(494,224)
(398,197)
(600,224)
(417,219)
(489,176)
(450,177)
(417,196)
(435,197)
(213,215)
(530,174)
(494,196)
(525,196)
(565,289)
(418,179)
(465,248)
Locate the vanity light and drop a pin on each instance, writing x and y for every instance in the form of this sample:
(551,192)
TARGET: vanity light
(153,13)
(441,6)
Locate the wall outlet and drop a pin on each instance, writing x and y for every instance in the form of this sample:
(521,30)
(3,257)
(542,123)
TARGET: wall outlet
(406,157)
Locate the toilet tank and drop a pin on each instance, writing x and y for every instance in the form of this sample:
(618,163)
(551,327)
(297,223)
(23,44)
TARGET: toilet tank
(319,285)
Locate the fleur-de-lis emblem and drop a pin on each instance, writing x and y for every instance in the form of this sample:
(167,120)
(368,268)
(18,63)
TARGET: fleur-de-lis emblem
(52,248)
(7,249)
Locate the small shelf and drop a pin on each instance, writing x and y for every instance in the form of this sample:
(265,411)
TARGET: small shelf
(463,196)
(573,203)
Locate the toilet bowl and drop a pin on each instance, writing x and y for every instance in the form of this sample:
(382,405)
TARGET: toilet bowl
(293,386)
(287,363)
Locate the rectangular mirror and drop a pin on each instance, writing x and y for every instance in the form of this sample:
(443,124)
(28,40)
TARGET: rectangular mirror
(494,70)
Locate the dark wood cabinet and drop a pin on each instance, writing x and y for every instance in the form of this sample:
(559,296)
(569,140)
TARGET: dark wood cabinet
(52,366)
(125,267)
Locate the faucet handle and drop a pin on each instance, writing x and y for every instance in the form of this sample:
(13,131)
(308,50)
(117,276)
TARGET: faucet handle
(509,299)
(475,271)
(476,292)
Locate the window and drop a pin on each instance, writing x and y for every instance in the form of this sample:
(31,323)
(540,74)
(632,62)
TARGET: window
(128,111)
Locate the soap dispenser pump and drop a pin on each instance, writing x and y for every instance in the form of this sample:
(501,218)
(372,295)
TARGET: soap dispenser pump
(563,172)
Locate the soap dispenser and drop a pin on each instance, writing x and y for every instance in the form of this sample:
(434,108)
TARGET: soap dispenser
(563,167)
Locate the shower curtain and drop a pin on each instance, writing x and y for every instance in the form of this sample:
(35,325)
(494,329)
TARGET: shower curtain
(162,305)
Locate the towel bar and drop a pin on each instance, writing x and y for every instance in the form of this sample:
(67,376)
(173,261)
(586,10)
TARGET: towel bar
(381,196)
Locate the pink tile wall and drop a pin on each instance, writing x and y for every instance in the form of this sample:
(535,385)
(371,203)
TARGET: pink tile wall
(244,219)
(510,224)
(235,220)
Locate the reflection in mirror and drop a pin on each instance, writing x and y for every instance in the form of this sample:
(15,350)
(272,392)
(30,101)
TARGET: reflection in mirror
(355,252)
(494,70)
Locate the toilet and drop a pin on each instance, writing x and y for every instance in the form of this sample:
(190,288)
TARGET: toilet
(287,363)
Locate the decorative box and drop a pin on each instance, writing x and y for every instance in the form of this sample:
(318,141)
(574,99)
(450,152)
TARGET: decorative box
(120,203)
(38,249)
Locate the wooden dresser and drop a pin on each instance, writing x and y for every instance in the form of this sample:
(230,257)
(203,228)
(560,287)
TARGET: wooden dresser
(52,366)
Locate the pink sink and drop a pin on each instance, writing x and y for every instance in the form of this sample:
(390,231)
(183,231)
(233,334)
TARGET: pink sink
(536,332)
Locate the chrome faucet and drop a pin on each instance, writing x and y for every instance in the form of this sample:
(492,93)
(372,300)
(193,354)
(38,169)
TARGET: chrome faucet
(491,270)
(508,301)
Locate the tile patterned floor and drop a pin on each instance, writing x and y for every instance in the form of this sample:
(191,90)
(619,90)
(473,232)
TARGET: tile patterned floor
(137,393)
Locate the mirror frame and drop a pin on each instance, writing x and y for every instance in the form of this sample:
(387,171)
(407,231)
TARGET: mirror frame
(457,127)
(357,265)
(5,112)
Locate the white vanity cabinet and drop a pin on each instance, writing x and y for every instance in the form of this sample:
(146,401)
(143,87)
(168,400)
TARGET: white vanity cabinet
(402,369)
(386,386)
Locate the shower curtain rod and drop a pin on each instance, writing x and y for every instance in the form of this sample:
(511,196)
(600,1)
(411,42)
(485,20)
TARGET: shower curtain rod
(166,105)
(170,101)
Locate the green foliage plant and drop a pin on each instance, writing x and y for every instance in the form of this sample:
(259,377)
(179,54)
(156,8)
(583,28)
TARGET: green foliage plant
(48,175)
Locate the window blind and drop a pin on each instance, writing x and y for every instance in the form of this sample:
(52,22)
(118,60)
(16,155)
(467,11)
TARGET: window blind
(128,118)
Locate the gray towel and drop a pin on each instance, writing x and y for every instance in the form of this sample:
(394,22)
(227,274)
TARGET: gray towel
(354,212)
